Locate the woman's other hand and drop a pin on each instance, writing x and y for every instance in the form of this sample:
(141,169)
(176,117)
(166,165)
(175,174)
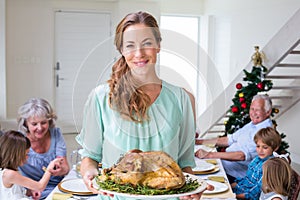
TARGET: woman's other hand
(89,170)
(198,195)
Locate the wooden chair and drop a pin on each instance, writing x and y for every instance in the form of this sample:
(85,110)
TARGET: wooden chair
(295,186)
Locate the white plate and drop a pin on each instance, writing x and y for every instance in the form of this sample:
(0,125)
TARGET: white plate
(74,186)
(218,187)
(202,187)
(203,166)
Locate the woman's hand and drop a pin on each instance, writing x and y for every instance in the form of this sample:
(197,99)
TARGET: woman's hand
(89,170)
(88,180)
(61,167)
(198,195)
(54,166)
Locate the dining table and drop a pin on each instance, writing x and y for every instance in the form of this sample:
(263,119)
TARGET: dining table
(209,170)
(214,175)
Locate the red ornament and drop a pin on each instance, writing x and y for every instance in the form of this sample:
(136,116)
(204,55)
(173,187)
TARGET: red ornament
(260,85)
(243,105)
(238,86)
(234,109)
(242,99)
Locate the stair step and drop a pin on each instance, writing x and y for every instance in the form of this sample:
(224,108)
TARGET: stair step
(288,65)
(295,52)
(283,77)
(281,97)
(219,124)
(286,88)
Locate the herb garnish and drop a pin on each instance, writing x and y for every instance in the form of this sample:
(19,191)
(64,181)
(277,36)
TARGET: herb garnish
(110,185)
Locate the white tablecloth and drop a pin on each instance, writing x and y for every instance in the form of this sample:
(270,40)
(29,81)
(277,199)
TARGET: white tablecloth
(72,174)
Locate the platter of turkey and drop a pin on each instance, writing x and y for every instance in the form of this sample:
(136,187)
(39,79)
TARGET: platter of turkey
(148,175)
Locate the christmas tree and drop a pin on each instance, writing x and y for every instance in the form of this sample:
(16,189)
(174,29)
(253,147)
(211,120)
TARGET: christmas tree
(255,82)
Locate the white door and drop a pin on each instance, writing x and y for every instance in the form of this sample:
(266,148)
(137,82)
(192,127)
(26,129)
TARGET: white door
(83,53)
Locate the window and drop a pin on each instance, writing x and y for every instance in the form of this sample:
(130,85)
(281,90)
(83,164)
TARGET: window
(180,50)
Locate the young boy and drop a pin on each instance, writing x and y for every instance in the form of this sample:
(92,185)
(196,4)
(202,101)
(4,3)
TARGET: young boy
(267,141)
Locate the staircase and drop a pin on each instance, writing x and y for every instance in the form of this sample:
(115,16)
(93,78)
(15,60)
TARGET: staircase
(283,64)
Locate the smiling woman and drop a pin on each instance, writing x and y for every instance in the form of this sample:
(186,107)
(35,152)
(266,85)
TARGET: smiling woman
(136,109)
(37,121)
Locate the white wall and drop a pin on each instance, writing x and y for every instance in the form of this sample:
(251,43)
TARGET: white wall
(29,52)
(288,124)
(190,7)
(30,43)
(245,24)
(2,61)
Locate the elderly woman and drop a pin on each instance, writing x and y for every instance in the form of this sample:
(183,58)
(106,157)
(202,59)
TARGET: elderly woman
(37,121)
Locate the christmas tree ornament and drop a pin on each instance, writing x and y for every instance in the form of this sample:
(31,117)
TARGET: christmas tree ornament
(243,105)
(266,87)
(241,95)
(238,86)
(260,85)
(234,109)
(242,99)
(257,57)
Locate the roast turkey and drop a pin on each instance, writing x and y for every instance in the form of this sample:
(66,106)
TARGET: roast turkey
(155,169)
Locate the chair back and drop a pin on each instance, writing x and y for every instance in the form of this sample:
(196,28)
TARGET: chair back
(295,186)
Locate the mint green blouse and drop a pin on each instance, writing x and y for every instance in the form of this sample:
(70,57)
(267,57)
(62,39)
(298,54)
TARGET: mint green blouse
(105,136)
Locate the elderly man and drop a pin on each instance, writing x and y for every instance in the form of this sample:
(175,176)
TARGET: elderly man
(241,148)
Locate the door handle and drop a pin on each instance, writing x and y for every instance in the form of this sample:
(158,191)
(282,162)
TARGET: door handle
(57,66)
(58,79)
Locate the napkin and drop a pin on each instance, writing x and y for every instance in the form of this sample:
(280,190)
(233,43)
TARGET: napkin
(214,162)
(220,179)
(61,196)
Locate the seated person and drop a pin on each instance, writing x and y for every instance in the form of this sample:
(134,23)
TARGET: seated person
(13,150)
(240,145)
(276,180)
(267,141)
(37,123)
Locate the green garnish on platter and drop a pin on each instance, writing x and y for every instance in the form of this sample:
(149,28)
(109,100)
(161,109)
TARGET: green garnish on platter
(110,185)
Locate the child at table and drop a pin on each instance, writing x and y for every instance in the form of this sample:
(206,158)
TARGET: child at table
(14,147)
(267,141)
(276,180)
